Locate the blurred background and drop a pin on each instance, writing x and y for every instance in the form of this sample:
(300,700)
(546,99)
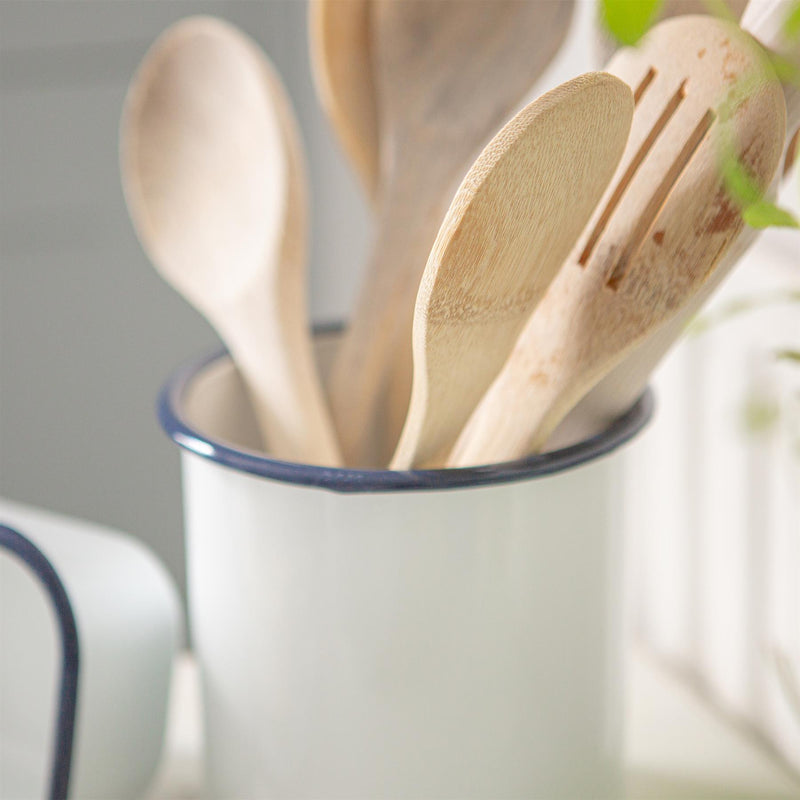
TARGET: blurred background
(88,332)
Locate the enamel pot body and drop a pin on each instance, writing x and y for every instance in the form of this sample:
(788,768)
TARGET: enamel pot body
(376,634)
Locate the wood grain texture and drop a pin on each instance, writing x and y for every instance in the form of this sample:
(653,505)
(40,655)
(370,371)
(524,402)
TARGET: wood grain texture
(214,178)
(665,239)
(341,58)
(448,75)
(512,223)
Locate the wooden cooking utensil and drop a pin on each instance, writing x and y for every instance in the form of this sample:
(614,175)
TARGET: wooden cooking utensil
(341,58)
(763,19)
(509,228)
(214,178)
(657,238)
(447,74)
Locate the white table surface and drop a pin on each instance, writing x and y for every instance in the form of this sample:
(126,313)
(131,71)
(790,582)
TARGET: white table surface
(678,748)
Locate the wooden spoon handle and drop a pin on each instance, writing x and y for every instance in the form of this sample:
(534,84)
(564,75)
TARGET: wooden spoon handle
(373,363)
(492,433)
(282,381)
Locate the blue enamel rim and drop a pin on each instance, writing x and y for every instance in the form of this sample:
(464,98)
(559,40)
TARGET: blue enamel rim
(170,403)
(38,563)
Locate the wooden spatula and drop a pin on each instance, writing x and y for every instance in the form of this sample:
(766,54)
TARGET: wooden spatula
(448,75)
(656,239)
(509,228)
(341,56)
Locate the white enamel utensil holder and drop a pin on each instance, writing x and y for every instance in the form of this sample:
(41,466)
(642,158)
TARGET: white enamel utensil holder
(444,634)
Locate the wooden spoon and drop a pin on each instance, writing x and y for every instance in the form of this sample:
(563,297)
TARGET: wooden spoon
(448,74)
(341,58)
(512,223)
(215,183)
(657,238)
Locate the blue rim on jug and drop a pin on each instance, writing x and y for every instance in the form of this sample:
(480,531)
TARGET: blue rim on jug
(187,436)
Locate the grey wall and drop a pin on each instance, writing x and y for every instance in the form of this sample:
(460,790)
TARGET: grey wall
(87,328)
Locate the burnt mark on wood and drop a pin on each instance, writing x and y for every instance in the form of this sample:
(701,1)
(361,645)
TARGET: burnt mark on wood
(727,214)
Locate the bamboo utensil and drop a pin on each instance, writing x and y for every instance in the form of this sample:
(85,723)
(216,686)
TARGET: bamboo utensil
(342,62)
(214,179)
(764,20)
(657,239)
(447,75)
(509,228)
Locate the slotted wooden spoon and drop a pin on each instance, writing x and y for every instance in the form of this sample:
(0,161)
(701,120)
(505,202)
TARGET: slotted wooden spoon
(448,74)
(656,239)
(509,228)
(215,183)
(764,20)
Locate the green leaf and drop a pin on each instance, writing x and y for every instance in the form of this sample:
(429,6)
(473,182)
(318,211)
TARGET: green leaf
(763,214)
(788,355)
(760,415)
(743,190)
(628,20)
(791,25)
(788,69)
(738,181)
(785,70)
